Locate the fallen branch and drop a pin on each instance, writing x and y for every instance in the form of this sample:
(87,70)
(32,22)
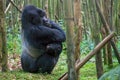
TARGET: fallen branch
(90,55)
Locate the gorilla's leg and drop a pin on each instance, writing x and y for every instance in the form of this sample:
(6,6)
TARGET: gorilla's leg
(28,63)
(46,63)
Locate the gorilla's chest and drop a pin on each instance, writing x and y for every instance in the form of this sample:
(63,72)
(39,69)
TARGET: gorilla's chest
(34,52)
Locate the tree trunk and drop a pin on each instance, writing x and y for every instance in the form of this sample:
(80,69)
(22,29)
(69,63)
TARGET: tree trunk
(46,8)
(106,10)
(78,24)
(96,36)
(105,55)
(3,51)
(70,39)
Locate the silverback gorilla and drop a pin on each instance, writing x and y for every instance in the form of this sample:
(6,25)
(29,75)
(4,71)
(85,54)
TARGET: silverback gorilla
(41,41)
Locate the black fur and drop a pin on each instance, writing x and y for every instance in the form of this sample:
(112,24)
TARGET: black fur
(41,43)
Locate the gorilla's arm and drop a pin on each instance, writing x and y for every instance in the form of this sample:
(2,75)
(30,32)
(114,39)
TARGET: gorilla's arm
(46,33)
(51,24)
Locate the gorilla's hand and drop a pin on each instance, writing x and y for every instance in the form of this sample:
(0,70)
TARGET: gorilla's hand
(53,49)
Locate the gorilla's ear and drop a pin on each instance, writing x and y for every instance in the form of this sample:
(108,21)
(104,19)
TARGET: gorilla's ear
(41,12)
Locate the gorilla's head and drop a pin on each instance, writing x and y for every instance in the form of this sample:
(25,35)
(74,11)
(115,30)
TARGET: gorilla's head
(33,15)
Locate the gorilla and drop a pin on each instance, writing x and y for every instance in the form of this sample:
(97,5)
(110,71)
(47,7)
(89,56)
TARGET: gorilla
(41,41)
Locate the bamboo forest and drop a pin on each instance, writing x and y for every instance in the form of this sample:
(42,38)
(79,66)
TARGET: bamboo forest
(59,39)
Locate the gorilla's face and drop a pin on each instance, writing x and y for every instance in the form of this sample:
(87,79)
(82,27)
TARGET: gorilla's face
(33,15)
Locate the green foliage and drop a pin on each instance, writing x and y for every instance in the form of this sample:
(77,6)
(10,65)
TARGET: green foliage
(86,46)
(13,43)
(118,45)
(113,74)
(13,31)
(88,72)
(61,22)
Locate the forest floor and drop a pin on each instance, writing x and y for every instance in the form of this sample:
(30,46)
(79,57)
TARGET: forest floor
(88,72)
